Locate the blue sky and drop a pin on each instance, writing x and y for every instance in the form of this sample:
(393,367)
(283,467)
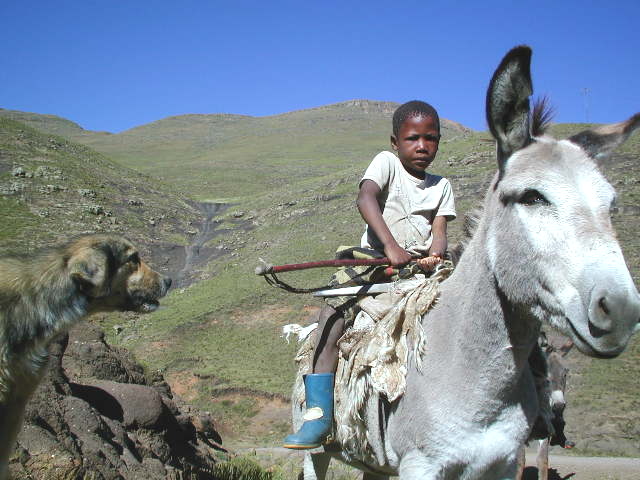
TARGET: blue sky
(112,65)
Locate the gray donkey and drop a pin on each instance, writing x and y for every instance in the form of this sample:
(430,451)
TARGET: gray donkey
(544,251)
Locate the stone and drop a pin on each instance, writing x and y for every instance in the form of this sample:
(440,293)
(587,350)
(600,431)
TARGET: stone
(141,406)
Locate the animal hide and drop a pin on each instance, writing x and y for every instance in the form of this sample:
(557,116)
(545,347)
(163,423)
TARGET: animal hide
(373,355)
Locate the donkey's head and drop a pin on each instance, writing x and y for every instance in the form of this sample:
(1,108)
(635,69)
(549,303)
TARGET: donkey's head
(549,239)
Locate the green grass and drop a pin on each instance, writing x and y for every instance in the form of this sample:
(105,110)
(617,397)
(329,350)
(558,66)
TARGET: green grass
(16,217)
(243,468)
(287,467)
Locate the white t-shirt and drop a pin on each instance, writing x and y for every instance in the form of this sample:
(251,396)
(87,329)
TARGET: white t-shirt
(408,204)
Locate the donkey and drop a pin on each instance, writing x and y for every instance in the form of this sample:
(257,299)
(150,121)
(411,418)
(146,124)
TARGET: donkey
(556,373)
(544,251)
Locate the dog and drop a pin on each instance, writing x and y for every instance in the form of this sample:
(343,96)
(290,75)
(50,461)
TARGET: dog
(44,294)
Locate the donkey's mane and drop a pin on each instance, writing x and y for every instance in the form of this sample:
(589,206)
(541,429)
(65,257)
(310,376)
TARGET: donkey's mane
(541,116)
(469,227)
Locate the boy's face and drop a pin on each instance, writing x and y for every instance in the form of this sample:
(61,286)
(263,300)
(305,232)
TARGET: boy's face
(417,144)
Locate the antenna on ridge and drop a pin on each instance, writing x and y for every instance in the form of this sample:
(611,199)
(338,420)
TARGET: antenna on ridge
(585,92)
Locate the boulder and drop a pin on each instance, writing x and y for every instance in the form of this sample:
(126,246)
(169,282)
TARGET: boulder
(96,415)
(137,406)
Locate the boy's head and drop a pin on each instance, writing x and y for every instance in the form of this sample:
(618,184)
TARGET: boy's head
(416,136)
(414,108)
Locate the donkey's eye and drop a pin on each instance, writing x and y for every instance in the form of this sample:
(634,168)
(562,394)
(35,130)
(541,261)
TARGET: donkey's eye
(134,258)
(533,197)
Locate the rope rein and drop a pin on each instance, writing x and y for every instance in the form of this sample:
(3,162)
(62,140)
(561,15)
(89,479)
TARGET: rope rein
(273,280)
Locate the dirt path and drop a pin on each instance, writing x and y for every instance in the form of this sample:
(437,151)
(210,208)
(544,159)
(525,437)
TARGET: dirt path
(564,467)
(561,467)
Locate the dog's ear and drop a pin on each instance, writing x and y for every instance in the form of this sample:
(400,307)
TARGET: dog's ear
(88,268)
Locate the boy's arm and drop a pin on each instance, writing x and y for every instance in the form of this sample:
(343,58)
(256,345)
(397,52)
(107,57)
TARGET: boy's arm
(439,233)
(438,244)
(370,210)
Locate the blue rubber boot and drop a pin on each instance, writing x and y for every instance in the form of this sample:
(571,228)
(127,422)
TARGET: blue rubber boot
(319,415)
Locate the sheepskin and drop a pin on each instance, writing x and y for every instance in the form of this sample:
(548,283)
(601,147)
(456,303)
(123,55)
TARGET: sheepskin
(373,355)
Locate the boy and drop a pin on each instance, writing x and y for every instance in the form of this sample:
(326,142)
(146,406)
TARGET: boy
(406,211)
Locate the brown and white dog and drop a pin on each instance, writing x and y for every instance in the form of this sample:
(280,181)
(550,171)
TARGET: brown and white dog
(44,294)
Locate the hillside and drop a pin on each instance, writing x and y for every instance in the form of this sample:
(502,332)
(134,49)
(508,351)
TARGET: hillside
(255,153)
(51,187)
(218,342)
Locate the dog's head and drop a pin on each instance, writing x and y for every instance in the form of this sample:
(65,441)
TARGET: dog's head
(109,271)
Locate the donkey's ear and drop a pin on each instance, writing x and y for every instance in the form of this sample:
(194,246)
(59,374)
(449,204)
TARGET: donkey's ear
(600,142)
(88,270)
(508,103)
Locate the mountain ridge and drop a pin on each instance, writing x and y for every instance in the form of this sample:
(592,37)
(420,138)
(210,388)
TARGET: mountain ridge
(45,122)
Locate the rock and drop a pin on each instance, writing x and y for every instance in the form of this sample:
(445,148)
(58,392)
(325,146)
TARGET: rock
(18,172)
(204,425)
(50,173)
(95,436)
(83,427)
(36,440)
(139,406)
(47,189)
(95,209)
(85,192)
(89,356)
(154,468)
(12,188)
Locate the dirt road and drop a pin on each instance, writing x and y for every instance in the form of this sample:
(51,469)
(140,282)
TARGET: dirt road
(564,467)
(561,467)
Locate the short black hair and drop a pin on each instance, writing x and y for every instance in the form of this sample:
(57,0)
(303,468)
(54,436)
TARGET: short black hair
(414,108)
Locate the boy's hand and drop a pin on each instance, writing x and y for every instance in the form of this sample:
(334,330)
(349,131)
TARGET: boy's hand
(429,263)
(397,255)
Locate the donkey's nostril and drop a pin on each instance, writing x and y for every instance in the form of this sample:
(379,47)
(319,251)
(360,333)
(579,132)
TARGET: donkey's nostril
(603,305)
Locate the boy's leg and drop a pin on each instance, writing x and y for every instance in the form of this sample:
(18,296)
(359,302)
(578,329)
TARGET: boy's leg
(331,327)
(319,385)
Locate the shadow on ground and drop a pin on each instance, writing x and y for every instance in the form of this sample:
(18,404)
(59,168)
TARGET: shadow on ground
(531,473)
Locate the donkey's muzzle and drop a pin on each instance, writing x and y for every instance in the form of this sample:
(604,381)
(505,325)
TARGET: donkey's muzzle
(613,313)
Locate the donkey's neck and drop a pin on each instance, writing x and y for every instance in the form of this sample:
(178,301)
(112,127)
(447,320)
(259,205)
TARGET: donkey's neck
(485,340)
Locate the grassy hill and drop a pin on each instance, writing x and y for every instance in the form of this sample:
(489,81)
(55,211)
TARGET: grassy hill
(51,188)
(233,156)
(291,180)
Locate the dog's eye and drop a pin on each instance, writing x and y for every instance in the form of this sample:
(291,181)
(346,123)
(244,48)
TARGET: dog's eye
(134,258)
(533,197)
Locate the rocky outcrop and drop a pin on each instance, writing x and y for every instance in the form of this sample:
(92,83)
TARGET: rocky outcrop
(96,415)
